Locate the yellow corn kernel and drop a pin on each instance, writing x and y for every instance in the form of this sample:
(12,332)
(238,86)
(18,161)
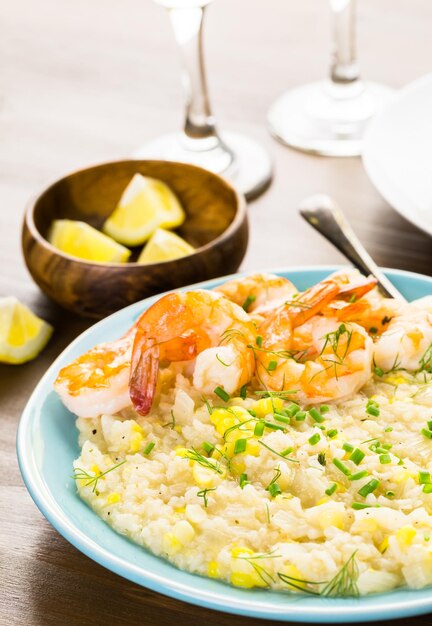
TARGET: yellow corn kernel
(322,501)
(252,447)
(395,380)
(383,545)
(184,531)
(182,452)
(113,498)
(245,580)
(292,571)
(213,569)
(340,488)
(178,428)
(237,465)
(237,551)
(171,543)
(265,406)
(137,428)
(180,509)
(405,536)
(366,525)
(135,442)
(95,469)
(332,518)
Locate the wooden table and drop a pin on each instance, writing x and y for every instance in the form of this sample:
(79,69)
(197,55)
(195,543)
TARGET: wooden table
(83,82)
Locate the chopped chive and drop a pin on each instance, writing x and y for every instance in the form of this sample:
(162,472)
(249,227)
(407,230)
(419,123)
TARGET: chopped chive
(259,341)
(369,487)
(243,392)
(243,480)
(424,478)
(388,429)
(149,447)
(389,494)
(427,433)
(272,366)
(322,459)
(316,415)
(292,409)
(223,395)
(240,446)
(252,412)
(330,491)
(300,416)
(281,418)
(358,475)
(348,447)
(427,488)
(378,371)
(429,424)
(373,410)
(272,426)
(208,447)
(360,505)
(247,303)
(314,439)
(332,433)
(274,490)
(341,467)
(384,459)
(259,429)
(286,452)
(324,408)
(387,446)
(357,456)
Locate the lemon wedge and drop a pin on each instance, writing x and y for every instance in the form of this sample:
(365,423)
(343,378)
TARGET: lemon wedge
(164,246)
(85,242)
(22,334)
(146,204)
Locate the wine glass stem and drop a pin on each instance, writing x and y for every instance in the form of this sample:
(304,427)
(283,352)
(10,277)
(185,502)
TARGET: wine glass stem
(188,28)
(344,68)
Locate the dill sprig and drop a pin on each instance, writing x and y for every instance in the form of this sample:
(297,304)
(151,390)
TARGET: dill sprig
(265,576)
(93,479)
(285,458)
(203,494)
(333,340)
(343,584)
(194,455)
(276,394)
(172,423)
(425,361)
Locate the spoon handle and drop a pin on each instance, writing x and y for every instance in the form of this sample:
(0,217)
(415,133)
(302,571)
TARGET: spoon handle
(322,213)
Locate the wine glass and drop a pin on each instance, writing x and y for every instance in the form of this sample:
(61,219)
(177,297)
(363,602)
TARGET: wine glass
(330,117)
(236,157)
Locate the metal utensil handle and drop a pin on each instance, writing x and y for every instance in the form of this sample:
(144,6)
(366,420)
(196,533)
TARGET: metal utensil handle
(322,213)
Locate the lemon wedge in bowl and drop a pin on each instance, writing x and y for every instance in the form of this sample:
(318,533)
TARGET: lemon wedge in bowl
(164,246)
(22,333)
(146,204)
(81,240)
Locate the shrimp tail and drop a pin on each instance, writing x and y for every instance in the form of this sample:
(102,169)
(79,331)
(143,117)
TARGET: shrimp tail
(144,372)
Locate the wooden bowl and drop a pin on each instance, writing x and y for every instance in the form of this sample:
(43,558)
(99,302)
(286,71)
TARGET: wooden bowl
(216,224)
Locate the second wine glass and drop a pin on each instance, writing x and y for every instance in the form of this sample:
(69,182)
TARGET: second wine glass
(330,117)
(233,155)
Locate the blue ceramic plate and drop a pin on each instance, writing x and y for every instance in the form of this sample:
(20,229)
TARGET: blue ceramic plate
(47,445)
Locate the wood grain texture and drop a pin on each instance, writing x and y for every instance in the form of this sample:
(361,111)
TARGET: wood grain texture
(86,82)
(216,225)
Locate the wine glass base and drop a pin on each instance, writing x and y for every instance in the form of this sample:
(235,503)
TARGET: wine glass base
(325,119)
(250,171)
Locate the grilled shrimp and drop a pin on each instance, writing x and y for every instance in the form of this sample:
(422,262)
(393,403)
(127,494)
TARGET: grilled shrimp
(407,341)
(188,325)
(98,381)
(317,357)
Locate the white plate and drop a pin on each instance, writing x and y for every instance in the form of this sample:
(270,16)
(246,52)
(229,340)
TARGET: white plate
(397,153)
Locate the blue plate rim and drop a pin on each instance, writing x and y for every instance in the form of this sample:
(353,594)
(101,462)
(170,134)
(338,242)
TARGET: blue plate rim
(324,612)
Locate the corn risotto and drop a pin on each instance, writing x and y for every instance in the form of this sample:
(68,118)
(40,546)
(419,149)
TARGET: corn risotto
(259,491)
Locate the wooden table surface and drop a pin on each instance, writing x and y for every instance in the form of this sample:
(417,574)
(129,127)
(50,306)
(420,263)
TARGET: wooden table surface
(83,82)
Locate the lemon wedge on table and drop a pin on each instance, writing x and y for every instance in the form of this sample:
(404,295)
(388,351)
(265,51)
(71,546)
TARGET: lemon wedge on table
(81,240)
(164,246)
(146,204)
(22,334)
